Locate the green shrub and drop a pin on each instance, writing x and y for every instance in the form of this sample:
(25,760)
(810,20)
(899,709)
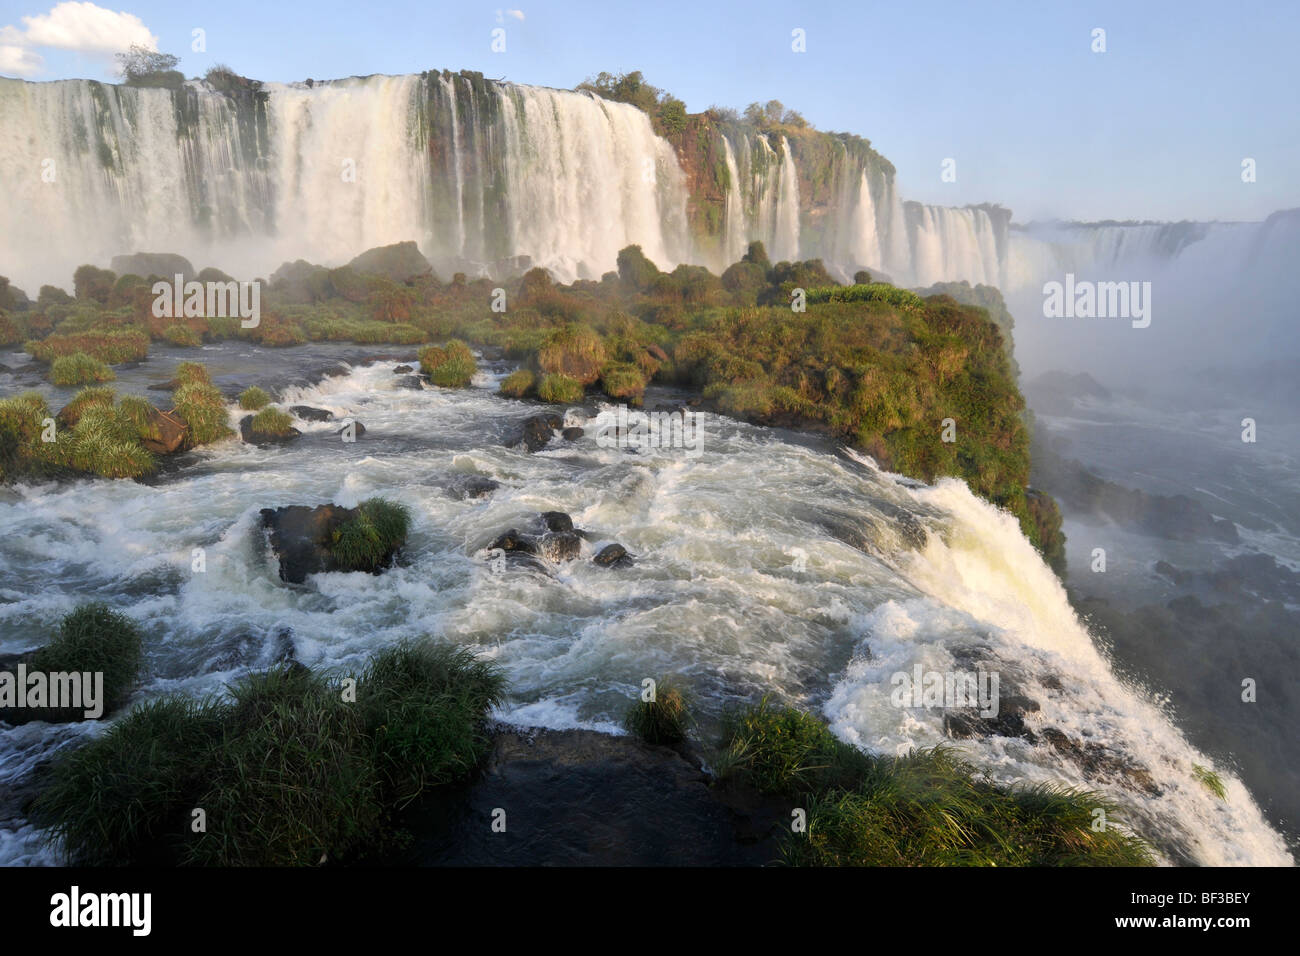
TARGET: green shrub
(449,366)
(518,383)
(365,542)
(574,351)
(253,399)
(623,380)
(928,808)
(560,390)
(182,335)
(204,410)
(88,397)
(126,797)
(424,704)
(192,373)
(111,346)
(271,421)
(104,442)
(79,369)
(663,720)
(97,639)
(287,771)
(291,782)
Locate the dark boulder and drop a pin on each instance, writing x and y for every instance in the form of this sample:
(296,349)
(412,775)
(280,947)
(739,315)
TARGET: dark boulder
(572,434)
(559,546)
(557,521)
(300,536)
(613,556)
(536,432)
(309,414)
(471,486)
(403,370)
(409,381)
(512,540)
(358,429)
(264,439)
(169,430)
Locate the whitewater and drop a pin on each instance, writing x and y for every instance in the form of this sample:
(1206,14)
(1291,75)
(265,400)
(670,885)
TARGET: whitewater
(814,583)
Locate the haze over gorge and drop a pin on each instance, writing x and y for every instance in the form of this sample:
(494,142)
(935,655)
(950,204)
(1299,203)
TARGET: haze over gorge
(822,537)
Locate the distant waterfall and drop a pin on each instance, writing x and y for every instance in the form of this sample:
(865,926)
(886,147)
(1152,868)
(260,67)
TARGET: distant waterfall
(475,171)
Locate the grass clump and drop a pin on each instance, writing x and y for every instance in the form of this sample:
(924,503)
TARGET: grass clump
(449,366)
(192,373)
(201,405)
(79,369)
(622,380)
(928,808)
(560,390)
(518,384)
(663,720)
(271,421)
(97,639)
(574,351)
(424,704)
(104,442)
(110,345)
(253,399)
(1211,781)
(183,336)
(366,542)
(290,770)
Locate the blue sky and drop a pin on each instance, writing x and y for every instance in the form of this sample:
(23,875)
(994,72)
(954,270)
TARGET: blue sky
(1156,127)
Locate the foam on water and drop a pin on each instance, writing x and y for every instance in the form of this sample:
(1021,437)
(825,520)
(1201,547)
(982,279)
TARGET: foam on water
(767,564)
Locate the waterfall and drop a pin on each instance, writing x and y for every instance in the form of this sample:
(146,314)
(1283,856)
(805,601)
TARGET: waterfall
(473,170)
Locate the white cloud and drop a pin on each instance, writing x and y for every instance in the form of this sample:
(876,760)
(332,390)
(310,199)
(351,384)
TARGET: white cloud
(517,14)
(80,27)
(19,61)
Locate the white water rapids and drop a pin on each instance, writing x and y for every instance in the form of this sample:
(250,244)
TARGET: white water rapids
(767,564)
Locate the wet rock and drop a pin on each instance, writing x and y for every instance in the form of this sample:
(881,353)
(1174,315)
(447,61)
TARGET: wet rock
(557,521)
(263,439)
(168,386)
(301,535)
(403,370)
(171,433)
(535,432)
(471,486)
(613,556)
(358,429)
(1097,761)
(409,381)
(398,262)
(572,434)
(512,540)
(309,414)
(1009,722)
(586,798)
(559,546)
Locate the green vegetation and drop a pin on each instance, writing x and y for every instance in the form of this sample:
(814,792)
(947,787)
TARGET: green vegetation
(182,335)
(1211,780)
(449,366)
(200,405)
(928,808)
(109,345)
(518,383)
(253,399)
(663,720)
(368,540)
(79,369)
(878,367)
(271,421)
(290,770)
(89,437)
(560,390)
(97,639)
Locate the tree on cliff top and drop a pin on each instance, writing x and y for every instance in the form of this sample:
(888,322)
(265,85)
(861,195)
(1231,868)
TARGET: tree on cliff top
(140,66)
(667,113)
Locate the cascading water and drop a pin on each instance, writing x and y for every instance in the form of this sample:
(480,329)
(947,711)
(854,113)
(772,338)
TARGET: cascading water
(473,170)
(816,584)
